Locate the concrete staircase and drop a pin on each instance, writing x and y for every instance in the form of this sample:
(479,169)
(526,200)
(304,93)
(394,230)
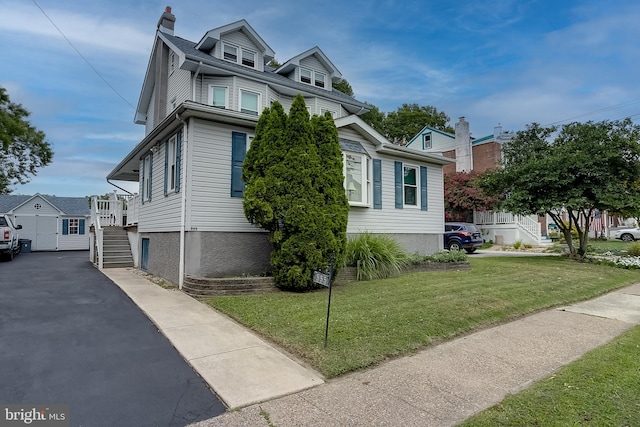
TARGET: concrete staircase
(117,251)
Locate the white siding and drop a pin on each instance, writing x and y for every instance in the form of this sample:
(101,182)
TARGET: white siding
(211,206)
(46,209)
(238,38)
(252,86)
(178,89)
(202,89)
(335,107)
(439,142)
(72,242)
(312,63)
(389,219)
(162,213)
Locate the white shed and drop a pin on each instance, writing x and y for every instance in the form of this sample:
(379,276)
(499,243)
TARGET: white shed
(51,223)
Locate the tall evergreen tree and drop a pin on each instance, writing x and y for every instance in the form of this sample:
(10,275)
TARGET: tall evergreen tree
(293,176)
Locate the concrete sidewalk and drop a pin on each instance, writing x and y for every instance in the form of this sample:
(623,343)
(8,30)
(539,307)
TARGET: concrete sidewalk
(240,368)
(445,384)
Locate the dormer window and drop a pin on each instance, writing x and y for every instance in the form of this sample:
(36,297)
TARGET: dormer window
(230,53)
(239,55)
(248,58)
(319,79)
(311,77)
(305,76)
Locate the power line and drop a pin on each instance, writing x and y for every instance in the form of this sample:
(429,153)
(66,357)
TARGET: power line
(82,56)
(612,107)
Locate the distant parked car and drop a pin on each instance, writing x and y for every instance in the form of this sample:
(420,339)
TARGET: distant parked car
(462,235)
(627,234)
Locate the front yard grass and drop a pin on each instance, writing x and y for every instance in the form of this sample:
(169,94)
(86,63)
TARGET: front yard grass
(600,389)
(374,320)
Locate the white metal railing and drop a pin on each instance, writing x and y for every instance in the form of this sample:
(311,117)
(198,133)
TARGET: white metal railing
(97,226)
(132,208)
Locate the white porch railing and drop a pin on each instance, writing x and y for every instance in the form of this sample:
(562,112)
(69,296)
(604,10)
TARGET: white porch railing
(523,222)
(118,210)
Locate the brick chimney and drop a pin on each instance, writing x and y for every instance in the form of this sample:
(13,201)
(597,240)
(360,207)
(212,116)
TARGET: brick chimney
(167,21)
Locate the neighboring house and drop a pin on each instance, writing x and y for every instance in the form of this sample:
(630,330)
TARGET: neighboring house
(51,223)
(200,103)
(482,154)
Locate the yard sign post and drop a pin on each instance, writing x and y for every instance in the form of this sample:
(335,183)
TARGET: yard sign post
(325,279)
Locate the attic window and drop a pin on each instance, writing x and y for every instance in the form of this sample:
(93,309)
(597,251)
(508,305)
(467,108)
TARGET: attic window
(319,79)
(248,58)
(426,141)
(230,53)
(305,76)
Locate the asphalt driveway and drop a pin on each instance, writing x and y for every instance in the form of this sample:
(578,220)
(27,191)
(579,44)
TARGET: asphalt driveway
(68,335)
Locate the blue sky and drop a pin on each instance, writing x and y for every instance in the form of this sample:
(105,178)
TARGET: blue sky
(500,62)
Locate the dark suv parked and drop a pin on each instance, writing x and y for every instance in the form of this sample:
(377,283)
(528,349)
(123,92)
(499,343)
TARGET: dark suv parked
(461,235)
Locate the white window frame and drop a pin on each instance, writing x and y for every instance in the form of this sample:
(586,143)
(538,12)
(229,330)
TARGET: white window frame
(224,52)
(172,167)
(332,112)
(211,98)
(74,226)
(146,178)
(259,101)
(240,53)
(365,185)
(316,79)
(172,62)
(416,186)
(310,77)
(425,145)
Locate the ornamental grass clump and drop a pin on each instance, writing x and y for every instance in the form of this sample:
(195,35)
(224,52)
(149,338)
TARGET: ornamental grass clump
(376,256)
(634,249)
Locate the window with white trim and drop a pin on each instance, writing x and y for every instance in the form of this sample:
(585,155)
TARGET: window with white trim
(146,178)
(410,186)
(74,226)
(171,164)
(230,53)
(325,110)
(239,55)
(172,62)
(314,78)
(218,96)
(249,102)
(356,178)
(426,141)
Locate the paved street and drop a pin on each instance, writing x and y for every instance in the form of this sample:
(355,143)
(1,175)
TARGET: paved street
(68,335)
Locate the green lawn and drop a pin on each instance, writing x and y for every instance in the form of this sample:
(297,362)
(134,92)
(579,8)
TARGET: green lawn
(617,247)
(375,320)
(600,389)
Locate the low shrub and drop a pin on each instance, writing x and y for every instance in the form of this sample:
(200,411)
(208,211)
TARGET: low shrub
(376,256)
(634,249)
(517,244)
(446,256)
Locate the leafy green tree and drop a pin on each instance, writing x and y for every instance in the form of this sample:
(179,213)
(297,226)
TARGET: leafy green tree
(375,118)
(24,148)
(409,119)
(586,166)
(344,87)
(293,176)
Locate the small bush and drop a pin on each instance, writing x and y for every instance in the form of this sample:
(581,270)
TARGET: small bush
(517,244)
(634,249)
(446,256)
(376,257)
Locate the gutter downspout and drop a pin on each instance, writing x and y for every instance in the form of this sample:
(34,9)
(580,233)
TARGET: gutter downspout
(195,81)
(183,205)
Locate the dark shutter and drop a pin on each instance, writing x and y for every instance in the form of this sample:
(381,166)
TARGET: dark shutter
(423,188)
(81,226)
(178,160)
(238,151)
(398,186)
(377,184)
(65,227)
(142,188)
(150,175)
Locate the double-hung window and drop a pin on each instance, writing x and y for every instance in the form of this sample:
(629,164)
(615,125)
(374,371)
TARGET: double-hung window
(147,164)
(311,77)
(410,186)
(218,96)
(319,79)
(426,141)
(230,53)
(239,55)
(249,102)
(356,178)
(248,58)
(172,159)
(305,76)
